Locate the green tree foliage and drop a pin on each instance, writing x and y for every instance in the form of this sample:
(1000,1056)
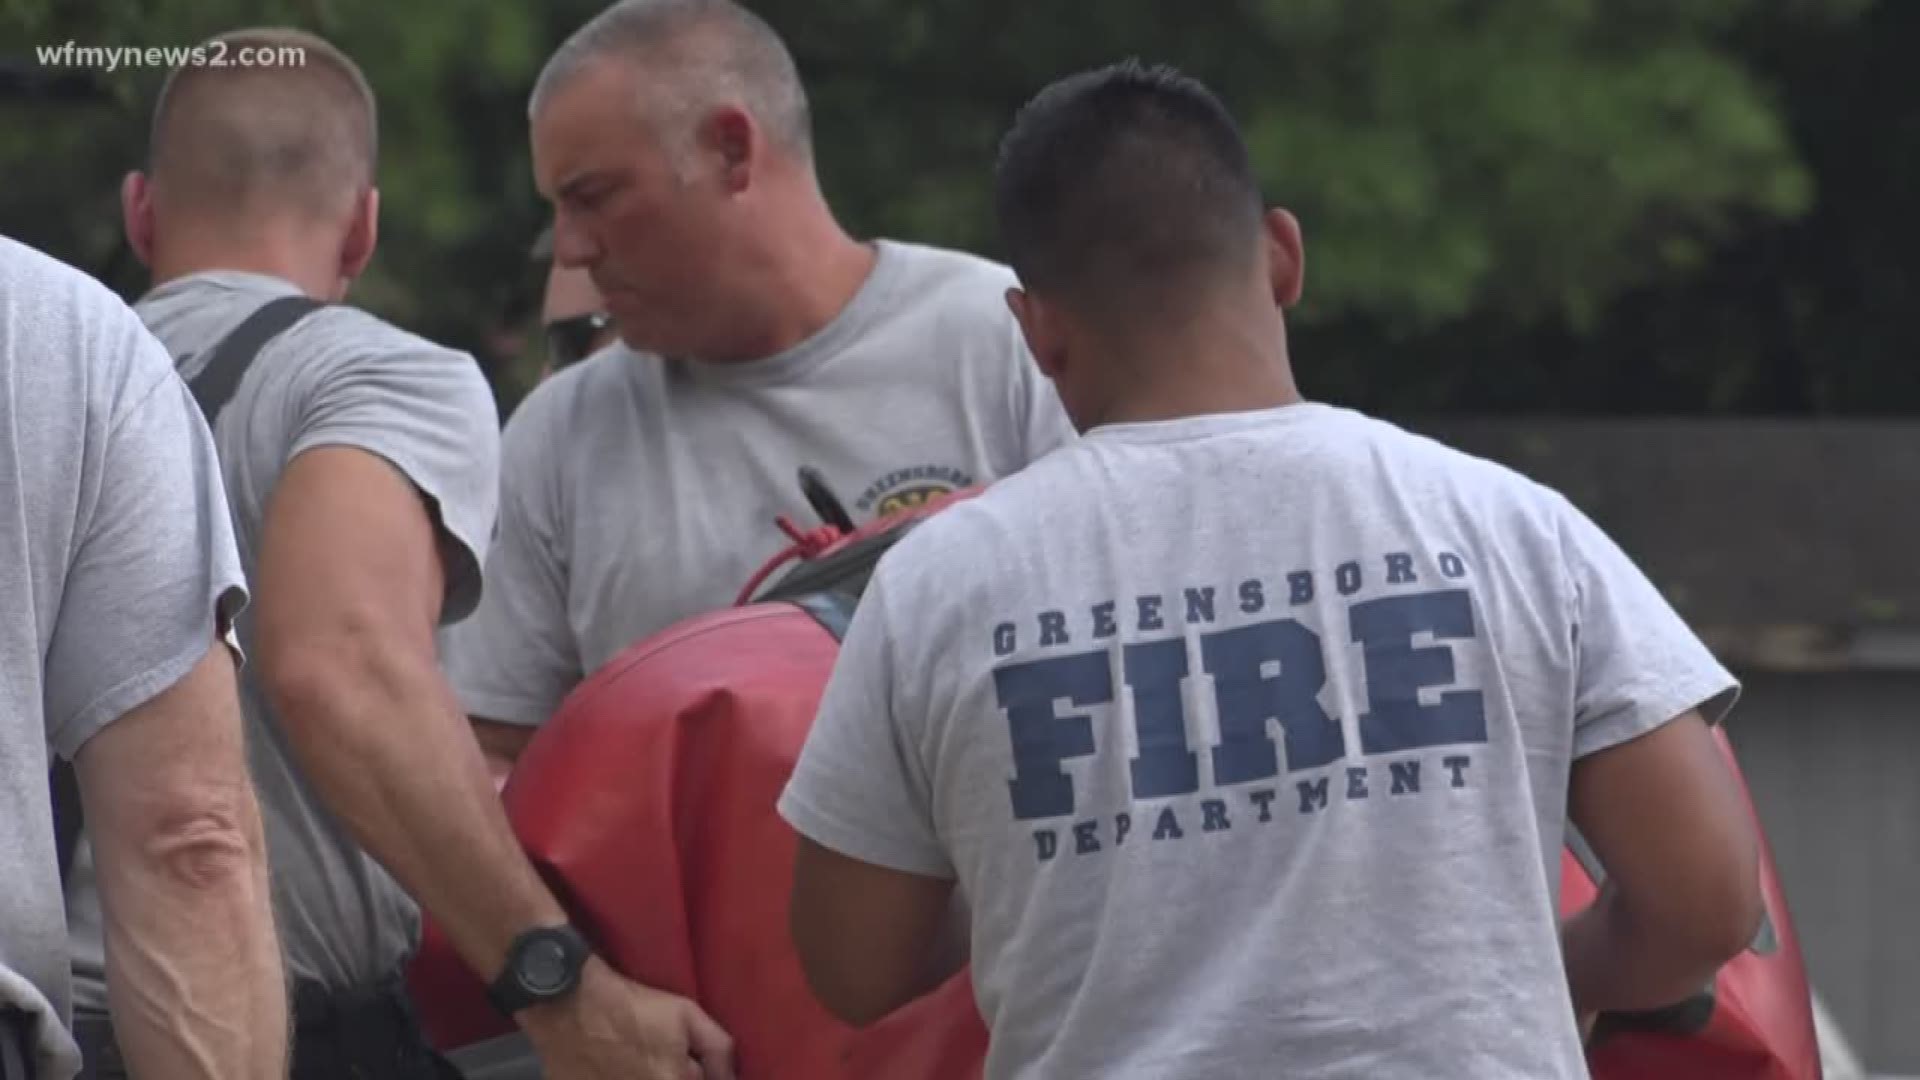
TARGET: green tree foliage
(458,205)
(1489,187)
(1812,314)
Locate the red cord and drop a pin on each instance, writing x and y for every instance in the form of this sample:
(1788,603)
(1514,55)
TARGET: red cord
(806,545)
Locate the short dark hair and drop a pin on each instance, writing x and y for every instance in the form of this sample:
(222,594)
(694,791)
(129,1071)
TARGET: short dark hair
(1125,182)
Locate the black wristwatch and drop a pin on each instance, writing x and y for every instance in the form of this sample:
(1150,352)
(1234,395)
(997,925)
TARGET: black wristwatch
(543,965)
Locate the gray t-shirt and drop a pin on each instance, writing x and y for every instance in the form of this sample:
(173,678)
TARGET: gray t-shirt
(638,492)
(1247,738)
(117,563)
(340,377)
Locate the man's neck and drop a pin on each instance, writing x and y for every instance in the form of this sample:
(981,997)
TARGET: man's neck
(192,250)
(1249,391)
(1204,369)
(807,275)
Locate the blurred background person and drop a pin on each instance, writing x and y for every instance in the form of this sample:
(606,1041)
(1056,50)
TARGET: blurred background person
(574,322)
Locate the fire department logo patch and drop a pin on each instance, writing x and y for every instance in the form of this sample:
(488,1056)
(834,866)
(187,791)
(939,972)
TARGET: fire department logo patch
(904,489)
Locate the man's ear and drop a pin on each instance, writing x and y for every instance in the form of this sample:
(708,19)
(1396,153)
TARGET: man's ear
(1286,257)
(730,138)
(136,215)
(363,235)
(1042,336)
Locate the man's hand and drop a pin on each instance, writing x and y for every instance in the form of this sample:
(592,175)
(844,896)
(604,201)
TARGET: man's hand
(612,1029)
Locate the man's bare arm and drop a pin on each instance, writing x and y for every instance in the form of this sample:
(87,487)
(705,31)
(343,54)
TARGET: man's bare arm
(194,977)
(350,588)
(870,939)
(1666,818)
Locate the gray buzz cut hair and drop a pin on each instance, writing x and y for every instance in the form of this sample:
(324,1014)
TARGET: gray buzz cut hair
(302,133)
(696,53)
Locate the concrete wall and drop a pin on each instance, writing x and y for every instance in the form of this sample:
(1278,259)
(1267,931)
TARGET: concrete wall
(1833,762)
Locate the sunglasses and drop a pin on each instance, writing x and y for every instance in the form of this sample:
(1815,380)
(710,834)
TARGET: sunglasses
(570,340)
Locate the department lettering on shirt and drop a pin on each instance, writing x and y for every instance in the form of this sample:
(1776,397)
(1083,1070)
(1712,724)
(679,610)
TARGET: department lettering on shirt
(1268,671)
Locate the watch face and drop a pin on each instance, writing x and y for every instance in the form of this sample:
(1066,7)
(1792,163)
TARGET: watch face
(543,966)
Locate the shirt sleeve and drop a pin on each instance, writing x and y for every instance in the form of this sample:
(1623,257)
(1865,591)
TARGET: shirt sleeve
(1637,664)
(516,659)
(154,573)
(858,788)
(430,413)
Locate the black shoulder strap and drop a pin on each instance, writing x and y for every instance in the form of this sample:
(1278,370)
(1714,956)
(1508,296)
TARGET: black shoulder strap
(212,389)
(65,789)
(217,381)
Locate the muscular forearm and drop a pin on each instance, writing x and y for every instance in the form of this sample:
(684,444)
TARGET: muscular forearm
(386,746)
(1618,962)
(194,976)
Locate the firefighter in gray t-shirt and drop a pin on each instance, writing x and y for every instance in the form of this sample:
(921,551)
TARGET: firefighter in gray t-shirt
(641,486)
(362,464)
(119,580)
(1249,728)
